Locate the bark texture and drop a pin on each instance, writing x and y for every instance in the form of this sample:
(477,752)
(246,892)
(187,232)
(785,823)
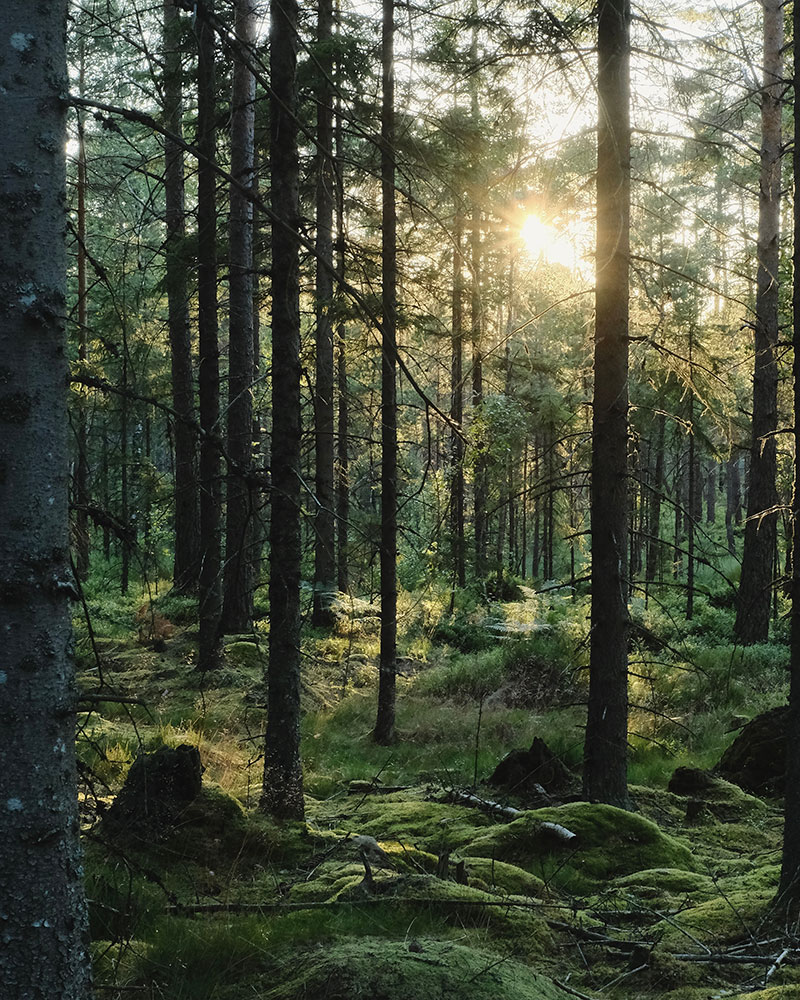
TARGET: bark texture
(605,753)
(760,534)
(210,471)
(44,941)
(324,523)
(187,525)
(790,865)
(239,577)
(282,794)
(384,725)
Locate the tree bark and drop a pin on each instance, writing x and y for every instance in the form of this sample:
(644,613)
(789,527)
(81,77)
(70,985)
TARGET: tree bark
(282,794)
(325,579)
(81,529)
(457,404)
(760,533)
(385,720)
(605,752)
(210,470)
(186,567)
(789,888)
(44,951)
(241,500)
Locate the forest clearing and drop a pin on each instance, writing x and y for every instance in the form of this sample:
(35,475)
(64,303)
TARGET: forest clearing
(399,423)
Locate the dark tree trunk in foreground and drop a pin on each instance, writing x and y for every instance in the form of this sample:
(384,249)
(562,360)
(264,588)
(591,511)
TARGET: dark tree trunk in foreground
(282,794)
(210,470)
(239,576)
(605,753)
(760,533)
(324,522)
(789,890)
(384,725)
(44,947)
(187,525)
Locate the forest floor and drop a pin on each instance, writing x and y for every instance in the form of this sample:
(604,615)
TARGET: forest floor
(454,900)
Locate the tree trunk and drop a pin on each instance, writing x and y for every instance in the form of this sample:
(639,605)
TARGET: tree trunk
(605,753)
(210,471)
(44,948)
(654,521)
(239,576)
(282,794)
(760,533)
(324,523)
(343,415)
(789,888)
(732,503)
(457,404)
(385,721)
(81,530)
(186,566)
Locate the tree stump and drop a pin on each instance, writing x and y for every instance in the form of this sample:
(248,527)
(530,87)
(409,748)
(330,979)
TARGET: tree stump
(158,788)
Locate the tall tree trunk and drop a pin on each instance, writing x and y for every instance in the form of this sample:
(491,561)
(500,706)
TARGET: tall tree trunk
(789,888)
(343,414)
(82,435)
(44,948)
(239,575)
(186,567)
(457,403)
(210,471)
(324,523)
(124,491)
(657,487)
(385,720)
(605,753)
(752,612)
(282,794)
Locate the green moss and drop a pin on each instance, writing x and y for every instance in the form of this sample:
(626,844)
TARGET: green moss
(658,888)
(610,842)
(391,970)
(732,914)
(404,817)
(248,655)
(504,877)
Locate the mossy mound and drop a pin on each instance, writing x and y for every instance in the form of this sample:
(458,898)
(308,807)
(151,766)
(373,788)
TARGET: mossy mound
(503,877)
(718,798)
(656,889)
(404,818)
(735,912)
(609,843)
(399,970)
(249,655)
(773,993)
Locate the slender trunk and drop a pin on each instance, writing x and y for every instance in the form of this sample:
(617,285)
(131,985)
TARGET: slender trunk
(343,415)
(605,753)
(325,580)
(210,472)
(81,533)
(657,487)
(282,794)
(186,566)
(789,888)
(752,613)
(239,575)
(124,513)
(45,936)
(731,501)
(457,405)
(385,721)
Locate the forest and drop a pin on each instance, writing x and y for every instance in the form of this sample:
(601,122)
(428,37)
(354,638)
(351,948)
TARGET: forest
(398,491)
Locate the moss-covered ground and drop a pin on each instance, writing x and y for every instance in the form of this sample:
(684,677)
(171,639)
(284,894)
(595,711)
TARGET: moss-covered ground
(458,902)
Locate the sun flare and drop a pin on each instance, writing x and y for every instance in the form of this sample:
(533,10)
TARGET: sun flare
(544,241)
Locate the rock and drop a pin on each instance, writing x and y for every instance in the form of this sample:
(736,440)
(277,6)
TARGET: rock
(158,788)
(521,771)
(691,781)
(755,760)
